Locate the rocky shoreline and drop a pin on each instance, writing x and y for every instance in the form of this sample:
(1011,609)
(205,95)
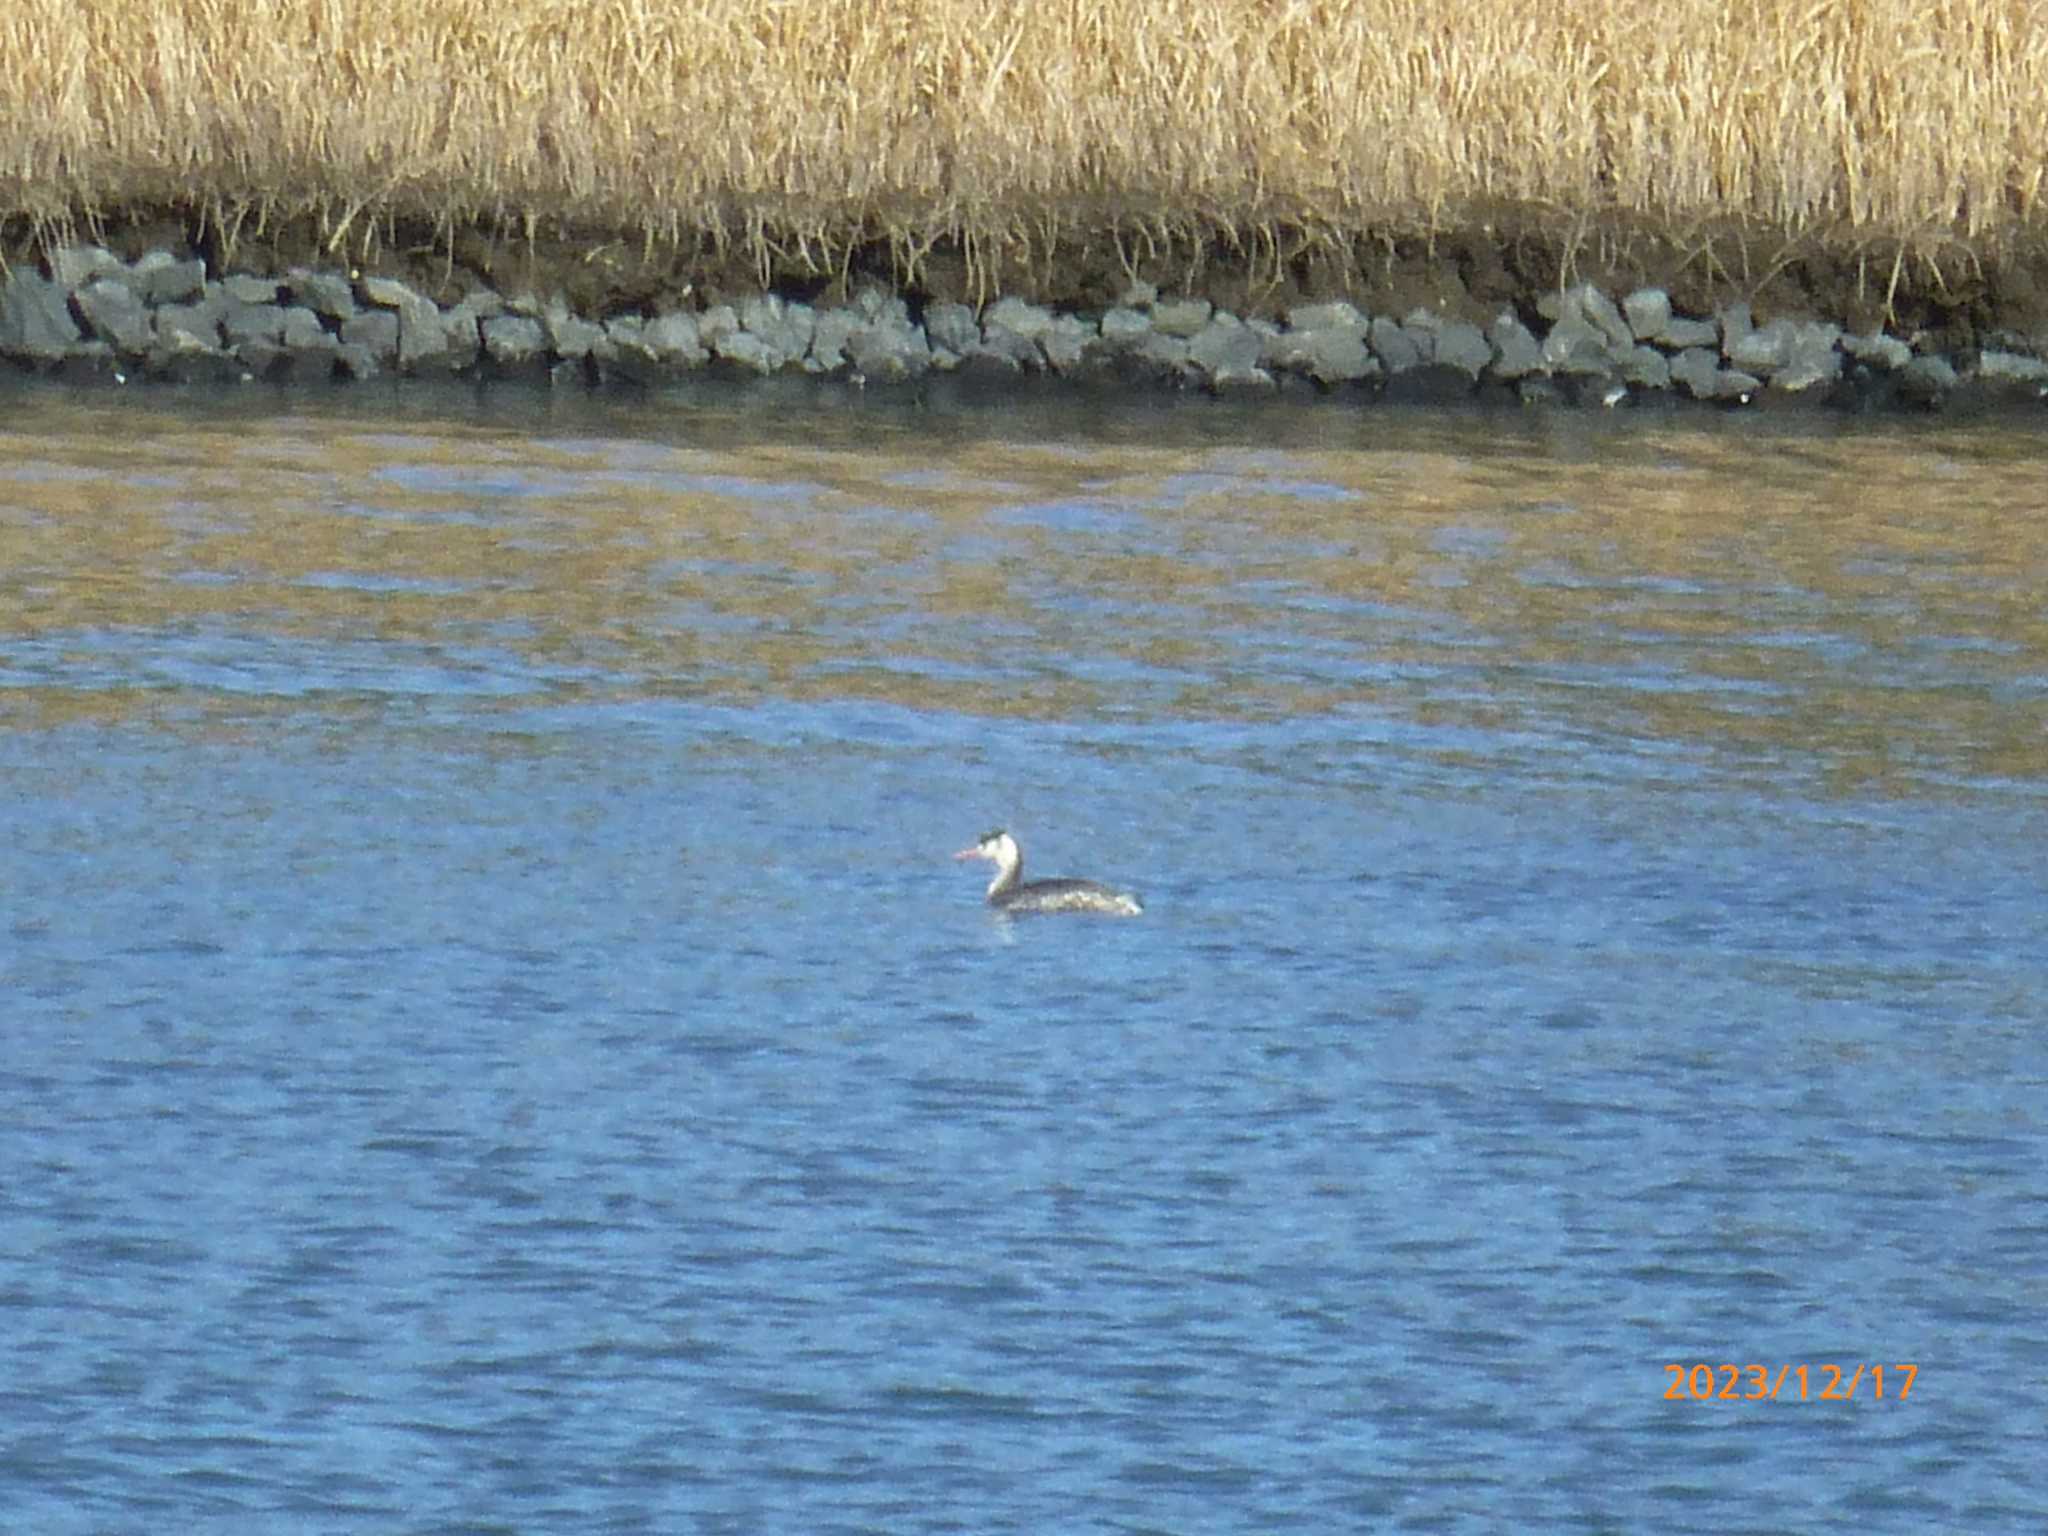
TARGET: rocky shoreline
(84,313)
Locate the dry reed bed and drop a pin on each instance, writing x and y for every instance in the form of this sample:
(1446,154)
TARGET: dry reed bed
(791,129)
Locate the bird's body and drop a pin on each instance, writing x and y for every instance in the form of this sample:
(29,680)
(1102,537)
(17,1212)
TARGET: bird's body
(1010,893)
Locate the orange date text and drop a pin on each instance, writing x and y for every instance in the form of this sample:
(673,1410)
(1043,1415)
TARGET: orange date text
(1818,1383)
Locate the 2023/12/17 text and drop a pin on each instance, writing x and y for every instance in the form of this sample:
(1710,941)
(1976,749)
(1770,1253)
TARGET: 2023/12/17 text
(1762,1383)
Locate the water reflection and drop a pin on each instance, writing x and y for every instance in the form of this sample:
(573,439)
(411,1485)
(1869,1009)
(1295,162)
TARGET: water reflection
(1861,608)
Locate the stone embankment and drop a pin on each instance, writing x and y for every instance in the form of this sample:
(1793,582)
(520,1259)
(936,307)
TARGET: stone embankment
(87,313)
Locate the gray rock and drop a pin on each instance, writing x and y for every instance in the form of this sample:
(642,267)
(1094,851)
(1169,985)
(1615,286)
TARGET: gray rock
(1140,295)
(182,328)
(1280,349)
(242,323)
(749,353)
(375,332)
(1811,358)
(1338,357)
(1797,378)
(675,340)
(1761,350)
(1768,348)
(1576,346)
(158,277)
(1927,379)
(2003,368)
(571,337)
(462,340)
(1027,320)
(785,329)
(628,352)
(1125,330)
(514,342)
(953,327)
(829,339)
(307,350)
(1646,368)
(1331,354)
(715,324)
(875,305)
(1697,370)
(481,304)
(1464,347)
(116,315)
(304,332)
(1003,348)
(387,292)
(1167,355)
(35,319)
(1736,322)
(1648,311)
(430,341)
(1334,316)
(1601,313)
(1879,350)
(73,266)
(188,344)
(250,290)
(1067,343)
(1395,347)
(325,293)
(890,348)
(622,352)
(1227,350)
(1181,317)
(1516,352)
(1587,306)
(1680,333)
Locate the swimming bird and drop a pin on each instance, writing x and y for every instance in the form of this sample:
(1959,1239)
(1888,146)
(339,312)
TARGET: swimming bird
(1011,893)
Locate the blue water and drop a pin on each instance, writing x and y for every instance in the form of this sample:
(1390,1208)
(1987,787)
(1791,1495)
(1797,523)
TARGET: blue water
(491,1037)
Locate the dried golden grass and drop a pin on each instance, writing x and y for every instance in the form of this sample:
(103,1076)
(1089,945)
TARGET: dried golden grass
(797,128)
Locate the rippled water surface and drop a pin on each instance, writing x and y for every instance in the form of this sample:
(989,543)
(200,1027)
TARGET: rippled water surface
(491,1036)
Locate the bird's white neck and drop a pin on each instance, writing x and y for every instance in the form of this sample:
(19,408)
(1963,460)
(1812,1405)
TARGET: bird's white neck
(1009,862)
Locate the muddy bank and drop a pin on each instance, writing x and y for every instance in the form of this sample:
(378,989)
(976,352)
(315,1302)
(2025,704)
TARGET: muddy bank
(1460,319)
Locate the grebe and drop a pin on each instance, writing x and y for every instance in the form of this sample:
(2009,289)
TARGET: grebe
(1010,893)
